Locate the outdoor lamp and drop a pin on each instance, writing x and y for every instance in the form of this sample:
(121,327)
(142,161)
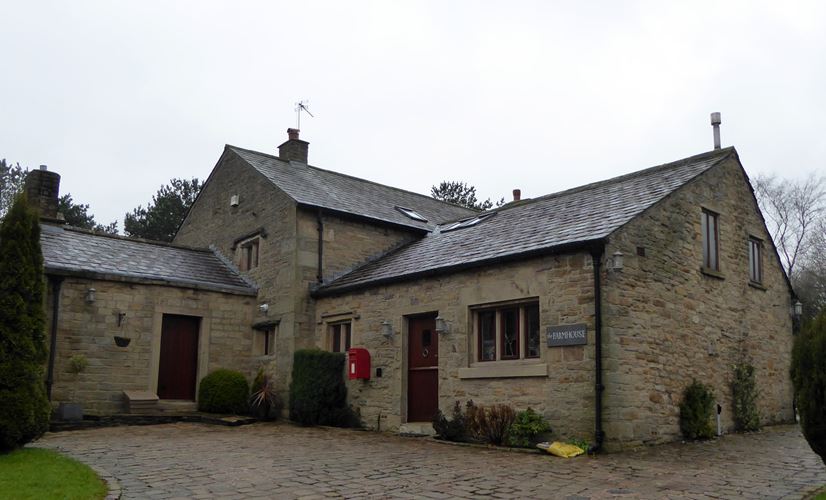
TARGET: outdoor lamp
(798,309)
(441,325)
(386,329)
(90,296)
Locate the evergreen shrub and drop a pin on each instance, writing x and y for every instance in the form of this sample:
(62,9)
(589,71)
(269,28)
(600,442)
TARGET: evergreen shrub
(744,398)
(318,394)
(696,411)
(223,391)
(526,427)
(24,408)
(450,429)
(809,378)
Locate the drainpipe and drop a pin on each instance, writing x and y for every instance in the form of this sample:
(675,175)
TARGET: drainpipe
(599,435)
(55,281)
(319,275)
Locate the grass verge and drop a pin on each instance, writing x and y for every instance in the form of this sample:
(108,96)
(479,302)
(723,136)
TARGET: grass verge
(35,473)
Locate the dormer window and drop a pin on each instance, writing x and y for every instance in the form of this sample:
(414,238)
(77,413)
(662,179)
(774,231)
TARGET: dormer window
(412,214)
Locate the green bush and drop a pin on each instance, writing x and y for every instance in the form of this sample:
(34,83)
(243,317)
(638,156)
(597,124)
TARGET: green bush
(223,391)
(526,427)
(744,398)
(450,429)
(318,394)
(696,411)
(809,378)
(24,409)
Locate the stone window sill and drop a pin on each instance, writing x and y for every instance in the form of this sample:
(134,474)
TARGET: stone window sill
(712,273)
(501,369)
(757,285)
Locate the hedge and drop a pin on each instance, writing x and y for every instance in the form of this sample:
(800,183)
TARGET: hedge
(318,394)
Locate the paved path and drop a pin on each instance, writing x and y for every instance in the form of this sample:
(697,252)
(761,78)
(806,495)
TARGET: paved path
(283,461)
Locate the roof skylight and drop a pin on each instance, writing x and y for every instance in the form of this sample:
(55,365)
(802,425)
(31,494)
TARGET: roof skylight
(467,222)
(411,213)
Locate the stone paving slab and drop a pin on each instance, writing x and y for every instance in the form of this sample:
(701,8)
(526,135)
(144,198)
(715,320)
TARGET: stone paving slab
(278,460)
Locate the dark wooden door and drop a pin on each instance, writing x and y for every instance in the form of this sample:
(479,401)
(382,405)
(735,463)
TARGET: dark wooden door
(179,357)
(423,370)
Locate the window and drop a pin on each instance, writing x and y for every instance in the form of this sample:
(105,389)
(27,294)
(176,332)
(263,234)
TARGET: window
(532,331)
(467,222)
(755,260)
(340,337)
(264,342)
(711,232)
(249,255)
(412,214)
(507,332)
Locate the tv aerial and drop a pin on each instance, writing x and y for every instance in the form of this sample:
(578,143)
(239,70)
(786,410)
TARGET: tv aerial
(299,107)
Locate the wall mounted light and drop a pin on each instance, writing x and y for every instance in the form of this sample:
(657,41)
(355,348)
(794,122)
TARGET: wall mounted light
(121,318)
(387,329)
(264,308)
(90,296)
(442,325)
(798,309)
(616,263)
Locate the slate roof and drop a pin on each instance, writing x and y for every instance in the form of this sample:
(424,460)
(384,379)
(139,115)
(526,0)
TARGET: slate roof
(569,218)
(312,186)
(72,251)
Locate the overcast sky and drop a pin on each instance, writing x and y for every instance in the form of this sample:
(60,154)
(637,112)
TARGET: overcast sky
(119,97)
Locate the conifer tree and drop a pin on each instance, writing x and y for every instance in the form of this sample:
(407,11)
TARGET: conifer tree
(809,378)
(24,408)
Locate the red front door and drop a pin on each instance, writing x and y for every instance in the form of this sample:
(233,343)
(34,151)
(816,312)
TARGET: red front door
(179,357)
(423,370)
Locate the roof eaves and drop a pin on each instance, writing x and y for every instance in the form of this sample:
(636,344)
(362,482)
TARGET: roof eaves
(330,289)
(343,213)
(147,280)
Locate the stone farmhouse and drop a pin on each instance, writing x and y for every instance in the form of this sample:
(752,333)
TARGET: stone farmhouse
(595,306)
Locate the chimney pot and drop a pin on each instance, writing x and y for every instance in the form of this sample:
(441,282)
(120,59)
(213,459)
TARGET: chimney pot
(292,133)
(44,167)
(517,194)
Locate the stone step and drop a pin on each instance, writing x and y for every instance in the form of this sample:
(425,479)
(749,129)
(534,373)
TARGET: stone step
(417,429)
(177,406)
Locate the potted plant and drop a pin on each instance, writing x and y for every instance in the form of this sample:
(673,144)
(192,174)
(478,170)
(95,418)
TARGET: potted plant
(73,411)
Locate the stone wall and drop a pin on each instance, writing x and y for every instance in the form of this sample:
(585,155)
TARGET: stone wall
(667,322)
(265,210)
(225,338)
(348,243)
(563,286)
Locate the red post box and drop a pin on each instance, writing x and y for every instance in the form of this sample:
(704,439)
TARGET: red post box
(358,365)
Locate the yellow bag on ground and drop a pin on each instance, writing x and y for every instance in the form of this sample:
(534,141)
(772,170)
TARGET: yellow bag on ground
(563,450)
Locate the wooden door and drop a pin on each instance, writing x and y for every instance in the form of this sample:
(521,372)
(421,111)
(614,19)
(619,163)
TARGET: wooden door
(423,369)
(178,365)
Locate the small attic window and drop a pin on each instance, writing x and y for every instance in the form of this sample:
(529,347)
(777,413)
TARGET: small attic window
(411,213)
(467,222)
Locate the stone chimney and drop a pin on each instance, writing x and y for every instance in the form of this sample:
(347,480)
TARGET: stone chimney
(294,149)
(42,190)
(517,194)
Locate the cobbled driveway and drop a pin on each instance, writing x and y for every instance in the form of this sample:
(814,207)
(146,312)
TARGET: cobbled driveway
(282,461)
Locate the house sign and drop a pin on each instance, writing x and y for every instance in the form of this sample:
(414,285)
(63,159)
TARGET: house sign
(567,335)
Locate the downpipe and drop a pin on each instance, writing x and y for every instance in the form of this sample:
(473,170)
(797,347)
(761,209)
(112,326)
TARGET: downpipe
(599,434)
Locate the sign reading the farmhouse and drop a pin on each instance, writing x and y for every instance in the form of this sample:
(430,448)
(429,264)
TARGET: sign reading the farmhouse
(567,335)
